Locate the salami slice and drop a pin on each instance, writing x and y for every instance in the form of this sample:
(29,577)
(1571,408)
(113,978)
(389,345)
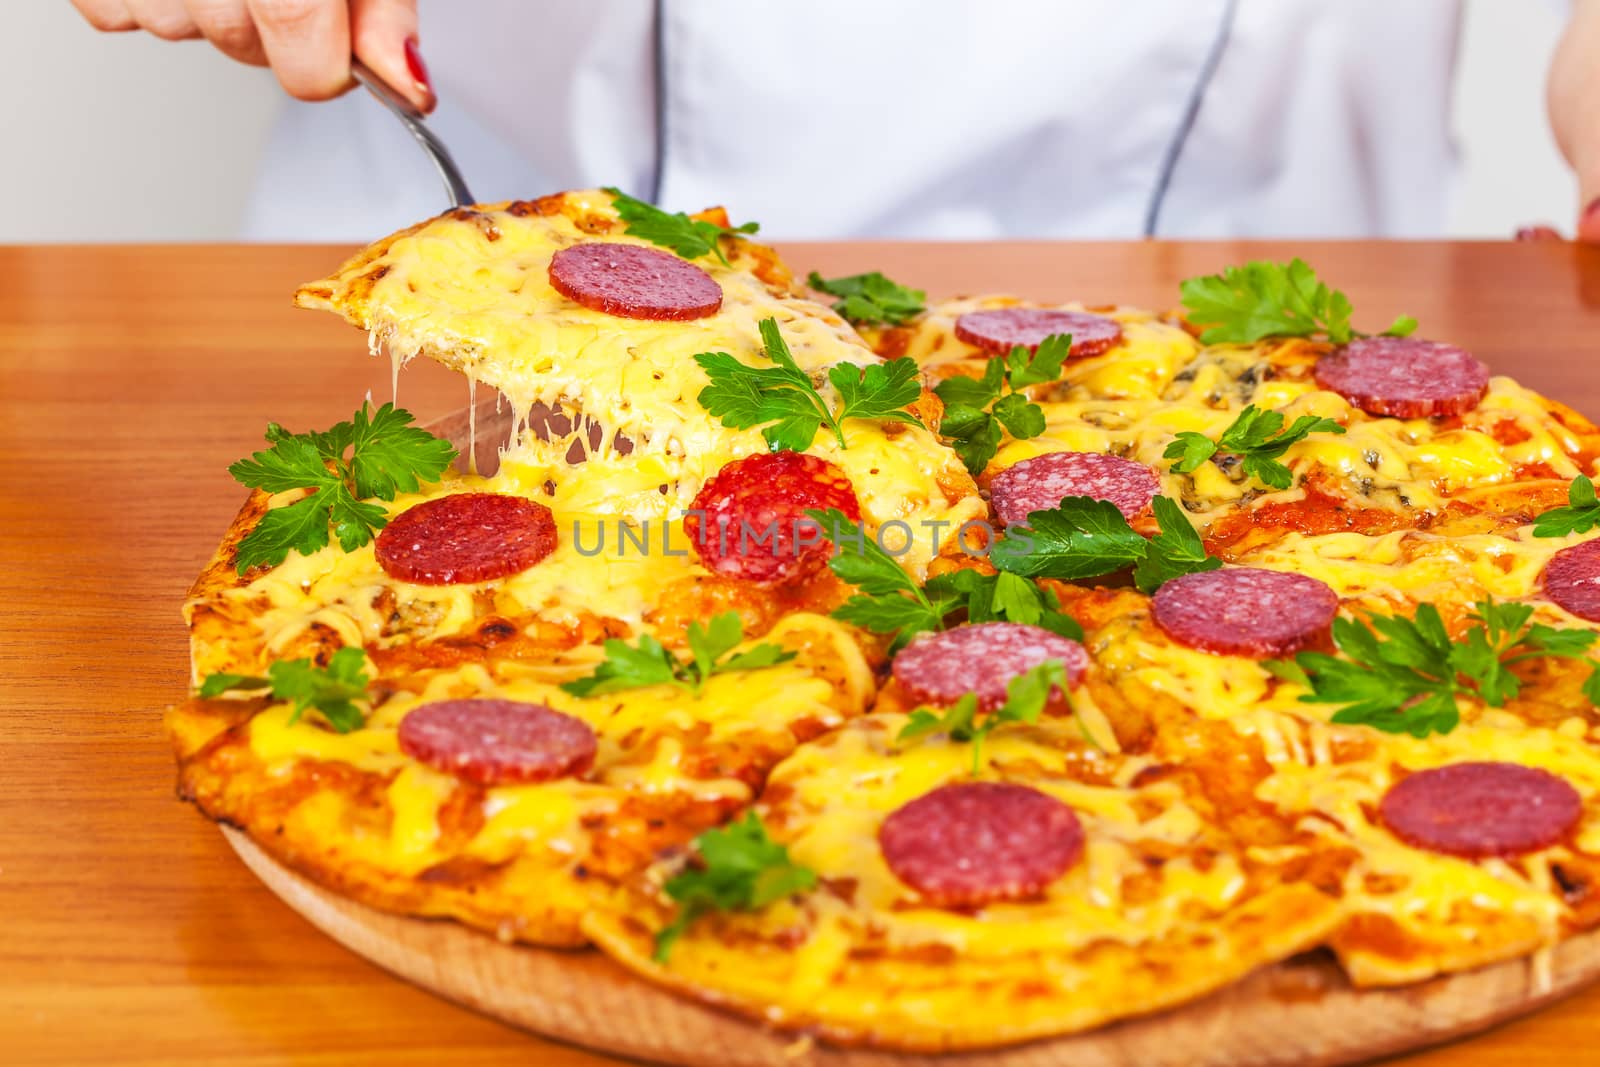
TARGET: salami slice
(1245,611)
(1572,580)
(1043,482)
(982,659)
(1404,377)
(491,742)
(1001,329)
(634,282)
(749,521)
(975,843)
(1481,809)
(466,537)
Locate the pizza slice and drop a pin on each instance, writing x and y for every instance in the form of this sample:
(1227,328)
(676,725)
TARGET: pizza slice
(512,803)
(1063,887)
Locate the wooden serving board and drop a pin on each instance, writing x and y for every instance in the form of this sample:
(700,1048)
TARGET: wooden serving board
(1302,1012)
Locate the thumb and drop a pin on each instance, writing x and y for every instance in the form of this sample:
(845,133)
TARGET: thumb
(383,35)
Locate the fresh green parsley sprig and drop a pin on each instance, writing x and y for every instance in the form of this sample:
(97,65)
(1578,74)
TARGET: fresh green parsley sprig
(334,690)
(1581,514)
(386,455)
(1085,538)
(890,602)
(1026,696)
(868,299)
(740,868)
(649,663)
(1264,299)
(690,238)
(975,409)
(1406,675)
(783,399)
(1257,437)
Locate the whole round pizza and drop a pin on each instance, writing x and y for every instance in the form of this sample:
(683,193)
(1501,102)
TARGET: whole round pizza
(933,676)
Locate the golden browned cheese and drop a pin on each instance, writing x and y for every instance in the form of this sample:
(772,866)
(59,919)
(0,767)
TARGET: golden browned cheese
(1229,823)
(525,861)
(1166,904)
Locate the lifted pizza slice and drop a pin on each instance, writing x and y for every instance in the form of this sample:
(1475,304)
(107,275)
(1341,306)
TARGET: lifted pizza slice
(644,388)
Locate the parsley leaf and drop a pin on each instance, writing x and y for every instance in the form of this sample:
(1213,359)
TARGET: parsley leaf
(784,400)
(877,390)
(1263,299)
(1257,437)
(972,433)
(1085,538)
(333,690)
(387,455)
(740,869)
(1002,597)
(1405,675)
(1581,514)
(649,663)
(976,408)
(1175,551)
(1081,538)
(891,602)
(1026,696)
(871,298)
(690,238)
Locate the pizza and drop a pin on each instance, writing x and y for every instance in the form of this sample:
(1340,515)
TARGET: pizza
(926,675)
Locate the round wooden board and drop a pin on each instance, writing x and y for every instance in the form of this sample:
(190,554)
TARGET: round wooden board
(1302,1012)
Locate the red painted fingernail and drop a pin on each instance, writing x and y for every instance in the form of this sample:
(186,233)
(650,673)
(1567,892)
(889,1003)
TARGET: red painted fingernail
(1538,233)
(1592,210)
(419,71)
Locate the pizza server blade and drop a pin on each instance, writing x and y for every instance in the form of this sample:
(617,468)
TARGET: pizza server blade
(412,119)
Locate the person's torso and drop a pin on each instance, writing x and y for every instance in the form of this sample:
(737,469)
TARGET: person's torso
(913,118)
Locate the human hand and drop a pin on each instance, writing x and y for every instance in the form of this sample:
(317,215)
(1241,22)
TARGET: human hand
(307,43)
(1573,98)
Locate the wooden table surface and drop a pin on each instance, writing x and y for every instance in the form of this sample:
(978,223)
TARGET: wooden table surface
(131,376)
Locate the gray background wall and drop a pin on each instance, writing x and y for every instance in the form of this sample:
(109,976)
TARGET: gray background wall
(121,137)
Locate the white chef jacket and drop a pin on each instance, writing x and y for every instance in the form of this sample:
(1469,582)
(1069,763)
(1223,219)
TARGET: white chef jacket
(910,118)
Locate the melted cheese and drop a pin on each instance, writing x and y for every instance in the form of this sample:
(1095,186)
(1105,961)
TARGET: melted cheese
(486,306)
(593,571)
(844,787)
(1328,779)
(647,742)
(1404,464)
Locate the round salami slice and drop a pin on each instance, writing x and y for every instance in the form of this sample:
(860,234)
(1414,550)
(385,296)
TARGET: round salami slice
(1572,580)
(982,659)
(749,521)
(1245,611)
(466,537)
(634,282)
(975,843)
(1043,482)
(1481,809)
(497,741)
(1404,377)
(1001,329)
